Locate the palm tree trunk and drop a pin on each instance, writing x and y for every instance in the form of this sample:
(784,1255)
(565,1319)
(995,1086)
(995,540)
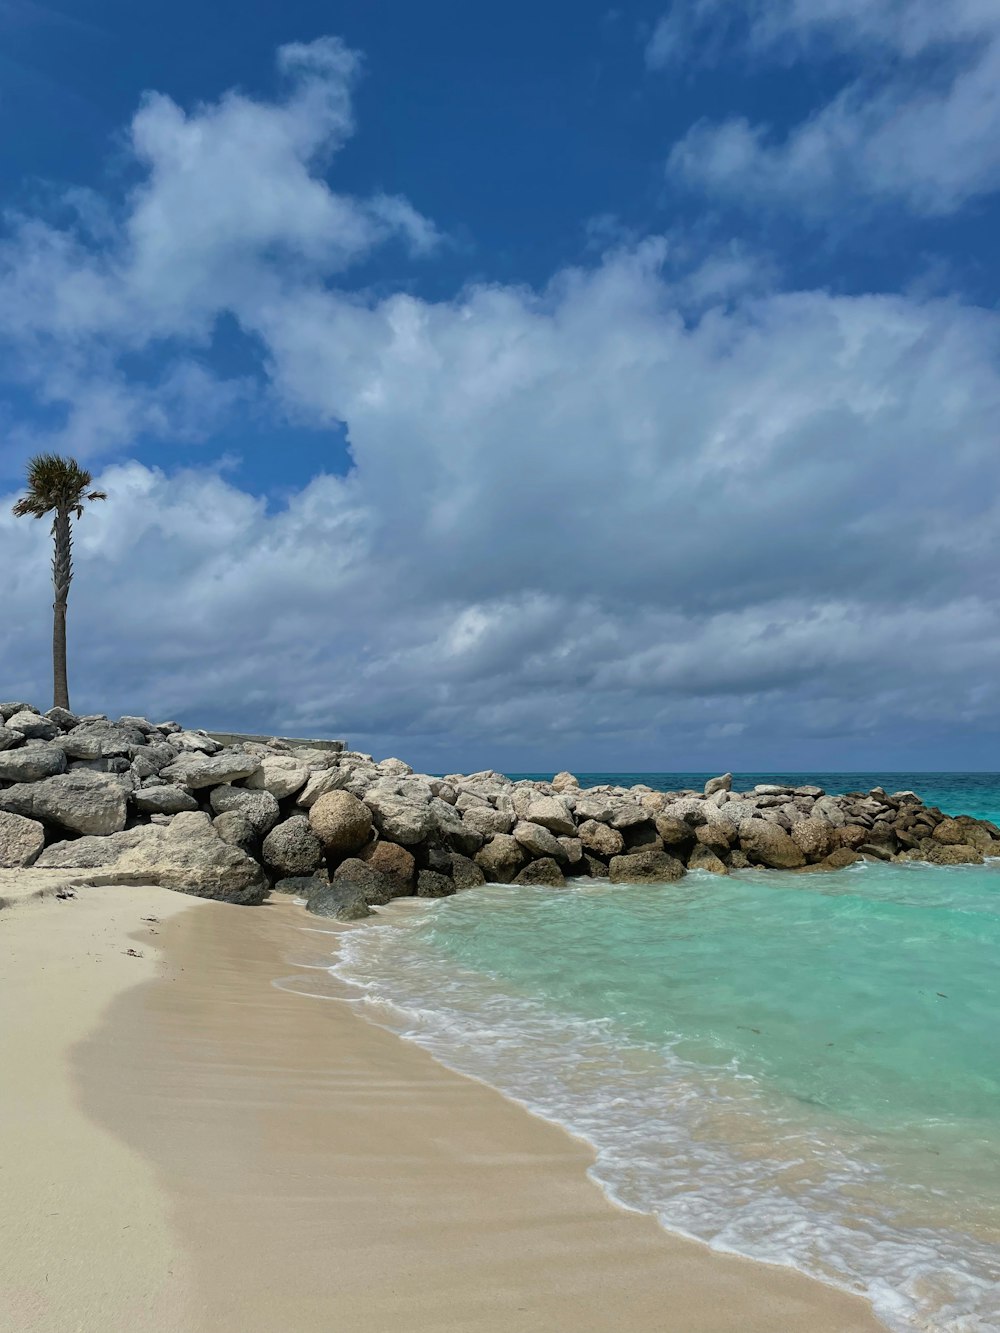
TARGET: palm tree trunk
(62,573)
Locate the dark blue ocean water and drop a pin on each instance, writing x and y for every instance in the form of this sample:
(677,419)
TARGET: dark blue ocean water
(975,794)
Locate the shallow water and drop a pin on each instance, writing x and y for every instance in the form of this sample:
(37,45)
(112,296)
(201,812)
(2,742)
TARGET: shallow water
(804,1069)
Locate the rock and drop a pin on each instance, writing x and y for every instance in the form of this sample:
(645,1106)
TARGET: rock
(299,885)
(644,868)
(280,774)
(465,873)
(340,902)
(196,771)
(600,839)
(373,885)
(237,831)
(537,840)
(10,739)
(812,792)
(952,854)
(703,858)
(773,789)
(737,859)
(388,858)
(875,851)
(840,858)
(591,866)
(565,782)
(828,807)
(851,835)
(292,848)
(544,871)
(32,762)
(673,831)
(715,837)
(259,808)
(572,849)
(550,813)
(82,802)
(486,821)
(185,855)
(725,783)
(593,806)
(433,884)
(21,841)
(33,727)
(628,813)
(814,837)
(950,832)
(12,709)
(769,844)
(331,779)
(163,800)
(399,818)
(501,858)
(642,837)
(451,826)
(342,823)
(197,742)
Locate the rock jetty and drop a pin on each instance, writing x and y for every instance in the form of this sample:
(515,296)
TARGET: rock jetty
(129,801)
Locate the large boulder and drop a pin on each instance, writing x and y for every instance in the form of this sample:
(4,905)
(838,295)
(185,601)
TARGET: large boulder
(236,829)
(196,770)
(653,867)
(486,821)
(673,831)
(183,854)
(600,839)
(330,779)
(280,774)
(769,844)
(552,814)
(292,848)
(952,854)
(501,858)
(33,727)
(434,884)
(394,861)
(703,858)
(723,783)
(544,871)
(339,901)
(21,841)
(32,762)
(815,837)
(82,802)
(259,808)
(400,818)
(342,823)
(465,873)
(538,840)
(9,740)
(373,885)
(167,800)
(565,781)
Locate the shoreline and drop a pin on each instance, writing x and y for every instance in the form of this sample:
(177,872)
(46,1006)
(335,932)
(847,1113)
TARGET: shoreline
(292,1166)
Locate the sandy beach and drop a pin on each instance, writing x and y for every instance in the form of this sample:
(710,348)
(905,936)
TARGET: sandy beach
(186,1147)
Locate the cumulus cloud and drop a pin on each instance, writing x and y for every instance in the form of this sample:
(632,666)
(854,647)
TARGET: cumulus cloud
(657,512)
(918,124)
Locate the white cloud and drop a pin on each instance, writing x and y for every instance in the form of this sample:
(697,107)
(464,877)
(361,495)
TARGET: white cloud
(919,123)
(656,512)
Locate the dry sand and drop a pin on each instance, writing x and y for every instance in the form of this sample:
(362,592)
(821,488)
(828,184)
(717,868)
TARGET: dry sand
(186,1148)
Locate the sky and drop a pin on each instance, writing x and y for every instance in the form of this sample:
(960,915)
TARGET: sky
(523,386)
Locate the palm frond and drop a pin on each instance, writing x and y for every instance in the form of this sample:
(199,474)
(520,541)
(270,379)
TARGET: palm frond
(56,484)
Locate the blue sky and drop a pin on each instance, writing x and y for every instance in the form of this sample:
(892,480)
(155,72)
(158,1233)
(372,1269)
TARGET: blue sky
(522,386)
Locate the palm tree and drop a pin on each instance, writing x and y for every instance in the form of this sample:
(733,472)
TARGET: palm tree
(58,486)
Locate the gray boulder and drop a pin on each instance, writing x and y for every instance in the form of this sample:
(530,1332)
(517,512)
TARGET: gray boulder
(628,813)
(331,779)
(300,885)
(185,854)
(552,814)
(538,841)
(486,821)
(374,886)
(434,884)
(465,873)
(653,867)
(340,902)
(600,839)
(259,808)
(280,774)
(32,762)
(82,802)
(769,844)
(236,829)
(401,819)
(196,770)
(724,783)
(21,841)
(10,739)
(163,800)
(12,709)
(342,823)
(33,727)
(543,871)
(501,858)
(292,848)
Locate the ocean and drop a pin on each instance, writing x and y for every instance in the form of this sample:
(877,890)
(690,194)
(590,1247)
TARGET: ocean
(800,1069)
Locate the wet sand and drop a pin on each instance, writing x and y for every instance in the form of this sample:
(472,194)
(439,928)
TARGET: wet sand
(282,1164)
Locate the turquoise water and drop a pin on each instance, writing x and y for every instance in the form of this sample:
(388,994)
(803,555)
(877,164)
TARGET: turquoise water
(804,1069)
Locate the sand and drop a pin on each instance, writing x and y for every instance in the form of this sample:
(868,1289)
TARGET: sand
(186,1148)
